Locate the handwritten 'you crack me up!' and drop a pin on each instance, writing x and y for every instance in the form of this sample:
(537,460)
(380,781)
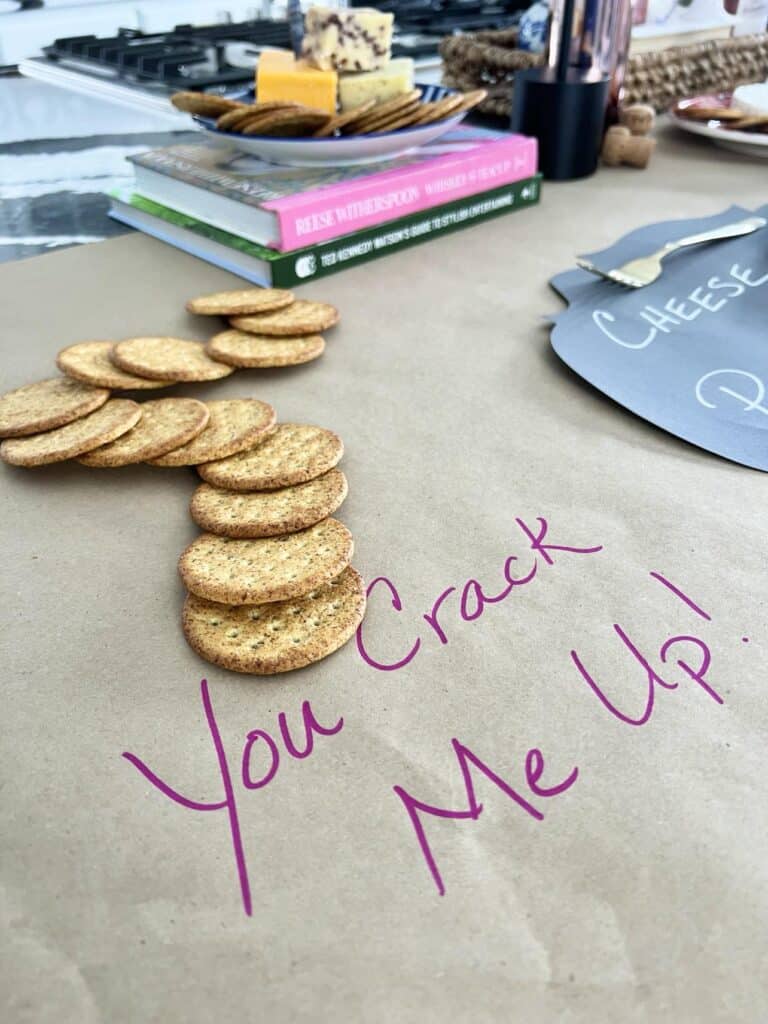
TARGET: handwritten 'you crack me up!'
(683,658)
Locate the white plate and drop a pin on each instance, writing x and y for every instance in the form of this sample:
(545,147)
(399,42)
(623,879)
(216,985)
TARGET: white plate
(342,151)
(746,143)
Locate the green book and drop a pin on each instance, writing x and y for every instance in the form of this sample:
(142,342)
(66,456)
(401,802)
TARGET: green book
(268,267)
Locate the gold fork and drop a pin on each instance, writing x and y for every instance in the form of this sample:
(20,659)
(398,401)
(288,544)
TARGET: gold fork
(638,273)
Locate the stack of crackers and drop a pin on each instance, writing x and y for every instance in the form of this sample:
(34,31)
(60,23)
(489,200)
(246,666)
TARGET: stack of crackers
(269,490)
(289,119)
(270,583)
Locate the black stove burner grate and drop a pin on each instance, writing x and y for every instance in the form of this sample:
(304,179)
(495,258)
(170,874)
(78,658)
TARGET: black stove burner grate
(189,57)
(195,57)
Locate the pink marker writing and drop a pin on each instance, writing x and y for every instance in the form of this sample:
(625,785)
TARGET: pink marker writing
(534,769)
(473,599)
(679,650)
(247,777)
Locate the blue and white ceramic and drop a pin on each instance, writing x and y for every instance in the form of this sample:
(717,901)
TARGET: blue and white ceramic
(342,151)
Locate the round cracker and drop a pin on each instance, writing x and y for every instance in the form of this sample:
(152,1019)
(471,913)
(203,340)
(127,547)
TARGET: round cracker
(345,118)
(293,454)
(241,300)
(90,361)
(376,118)
(294,122)
(267,569)
(302,317)
(47,404)
(236,348)
(168,359)
(165,424)
(233,120)
(279,637)
(439,110)
(106,424)
(204,104)
(392,122)
(390,106)
(470,100)
(235,425)
(268,513)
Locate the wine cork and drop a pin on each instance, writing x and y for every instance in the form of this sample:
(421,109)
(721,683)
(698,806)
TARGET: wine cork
(638,117)
(620,146)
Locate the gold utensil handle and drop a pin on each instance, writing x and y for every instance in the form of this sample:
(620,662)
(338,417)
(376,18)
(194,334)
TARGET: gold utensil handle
(742,227)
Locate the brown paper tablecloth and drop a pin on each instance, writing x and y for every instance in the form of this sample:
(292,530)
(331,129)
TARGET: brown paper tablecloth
(637,893)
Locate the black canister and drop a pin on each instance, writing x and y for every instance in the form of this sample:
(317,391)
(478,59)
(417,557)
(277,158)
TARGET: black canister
(567,117)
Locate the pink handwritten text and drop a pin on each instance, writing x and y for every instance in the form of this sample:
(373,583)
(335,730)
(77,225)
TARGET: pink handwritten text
(247,777)
(472,599)
(688,653)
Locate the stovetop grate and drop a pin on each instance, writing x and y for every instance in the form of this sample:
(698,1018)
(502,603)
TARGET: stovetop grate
(189,57)
(195,57)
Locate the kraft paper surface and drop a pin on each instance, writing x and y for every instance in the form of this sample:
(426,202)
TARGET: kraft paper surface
(534,791)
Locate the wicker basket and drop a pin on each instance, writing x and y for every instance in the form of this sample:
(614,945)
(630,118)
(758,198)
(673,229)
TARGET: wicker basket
(489,60)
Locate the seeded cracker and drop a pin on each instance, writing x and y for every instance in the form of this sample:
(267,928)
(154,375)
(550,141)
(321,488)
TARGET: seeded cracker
(392,106)
(90,361)
(100,427)
(233,120)
(168,359)
(47,404)
(294,122)
(236,424)
(266,569)
(303,317)
(279,637)
(340,120)
(268,513)
(203,104)
(293,454)
(242,300)
(236,348)
(165,424)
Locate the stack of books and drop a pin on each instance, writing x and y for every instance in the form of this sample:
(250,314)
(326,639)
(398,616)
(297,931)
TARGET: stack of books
(279,226)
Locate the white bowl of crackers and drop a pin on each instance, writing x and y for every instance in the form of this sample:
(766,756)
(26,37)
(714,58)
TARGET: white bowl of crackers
(300,136)
(737,121)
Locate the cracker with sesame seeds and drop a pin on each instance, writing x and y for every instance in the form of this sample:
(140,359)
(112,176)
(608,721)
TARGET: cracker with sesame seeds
(268,513)
(204,104)
(301,317)
(107,423)
(241,300)
(165,424)
(168,359)
(279,637)
(235,425)
(293,454)
(267,569)
(47,404)
(236,348)
(90,362)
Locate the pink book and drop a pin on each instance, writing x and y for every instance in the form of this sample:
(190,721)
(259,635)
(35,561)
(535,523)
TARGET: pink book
(288,208)
(322,214)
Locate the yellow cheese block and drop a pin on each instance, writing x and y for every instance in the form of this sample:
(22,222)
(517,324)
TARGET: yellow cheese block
(279,76)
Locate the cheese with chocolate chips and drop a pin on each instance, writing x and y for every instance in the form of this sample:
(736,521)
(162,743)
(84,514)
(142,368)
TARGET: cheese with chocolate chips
(355,39)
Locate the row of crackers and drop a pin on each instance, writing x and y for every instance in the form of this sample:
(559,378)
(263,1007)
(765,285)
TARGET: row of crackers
(270,583)
(75,416)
